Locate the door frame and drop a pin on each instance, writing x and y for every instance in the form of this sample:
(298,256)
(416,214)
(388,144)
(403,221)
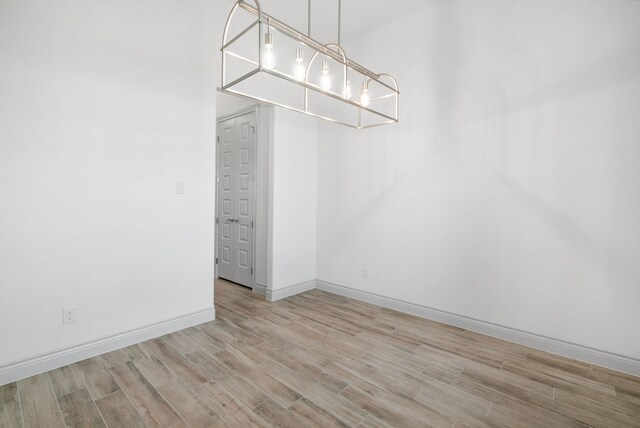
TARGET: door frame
(256,110)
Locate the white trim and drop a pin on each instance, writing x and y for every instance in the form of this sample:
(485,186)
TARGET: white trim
(51,360)
(250,109)
(292,290)
(567,349)
(260,289)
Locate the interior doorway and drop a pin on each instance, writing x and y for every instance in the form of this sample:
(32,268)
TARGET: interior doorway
(236,205)
(243,143)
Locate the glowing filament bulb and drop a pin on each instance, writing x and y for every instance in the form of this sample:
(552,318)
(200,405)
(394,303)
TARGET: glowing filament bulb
(364,95)
(268,60)
(299,72)
(325,81)
(347,94)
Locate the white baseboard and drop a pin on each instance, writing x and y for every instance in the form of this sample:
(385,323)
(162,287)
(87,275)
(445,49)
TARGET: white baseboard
(292,290)
(42,363)
(260,289)
(49,361)
(555,346)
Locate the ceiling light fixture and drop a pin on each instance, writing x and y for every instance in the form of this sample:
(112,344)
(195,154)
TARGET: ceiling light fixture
(253,73)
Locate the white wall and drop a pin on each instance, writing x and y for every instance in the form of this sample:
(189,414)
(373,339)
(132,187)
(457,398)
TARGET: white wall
(227,104)
(509,190)
(105,104)
(294,199)
(263,245)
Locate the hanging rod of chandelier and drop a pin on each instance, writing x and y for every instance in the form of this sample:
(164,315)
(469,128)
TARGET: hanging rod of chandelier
(275,71)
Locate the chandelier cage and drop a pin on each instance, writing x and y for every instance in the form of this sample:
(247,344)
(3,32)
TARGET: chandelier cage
(289,69)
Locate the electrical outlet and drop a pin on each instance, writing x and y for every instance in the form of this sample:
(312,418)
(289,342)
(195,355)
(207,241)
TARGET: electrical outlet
(69,315)
(365,272)
(179,187)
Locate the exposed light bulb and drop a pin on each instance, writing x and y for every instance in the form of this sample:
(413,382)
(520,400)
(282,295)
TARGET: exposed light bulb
(325,81)
(347,93)
(299,72)
(364,95)
(268,59)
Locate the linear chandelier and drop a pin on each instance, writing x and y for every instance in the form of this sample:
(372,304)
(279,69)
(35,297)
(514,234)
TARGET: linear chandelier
(275,71)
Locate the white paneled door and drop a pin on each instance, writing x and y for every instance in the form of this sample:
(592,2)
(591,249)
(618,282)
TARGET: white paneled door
(235,198)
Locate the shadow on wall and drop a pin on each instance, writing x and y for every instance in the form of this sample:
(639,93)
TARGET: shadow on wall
(471,105)
(467,116)
(377,166)
(596,249)
(619,67)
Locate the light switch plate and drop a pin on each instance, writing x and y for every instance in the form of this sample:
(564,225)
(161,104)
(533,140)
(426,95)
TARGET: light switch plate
(180,187)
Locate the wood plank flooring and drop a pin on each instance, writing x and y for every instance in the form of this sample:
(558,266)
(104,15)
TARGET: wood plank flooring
(321,360)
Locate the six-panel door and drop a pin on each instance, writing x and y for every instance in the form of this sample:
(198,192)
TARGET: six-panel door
(235,198)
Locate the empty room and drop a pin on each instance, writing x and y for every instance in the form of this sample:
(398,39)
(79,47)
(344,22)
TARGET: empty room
(319,213)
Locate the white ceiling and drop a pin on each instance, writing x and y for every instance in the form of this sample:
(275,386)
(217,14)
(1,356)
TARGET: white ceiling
(358,16)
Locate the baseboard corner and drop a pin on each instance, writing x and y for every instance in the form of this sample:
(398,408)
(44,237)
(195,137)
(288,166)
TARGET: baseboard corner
(292,290)
(260,289)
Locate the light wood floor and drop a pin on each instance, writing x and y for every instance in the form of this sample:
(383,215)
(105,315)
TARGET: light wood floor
(322,360)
